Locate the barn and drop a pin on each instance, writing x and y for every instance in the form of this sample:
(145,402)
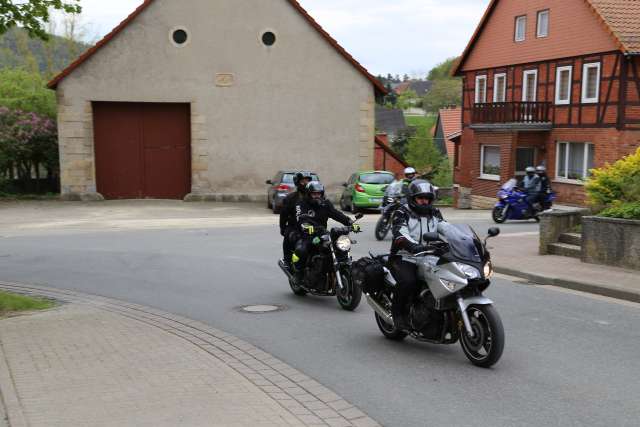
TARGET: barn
(201,98)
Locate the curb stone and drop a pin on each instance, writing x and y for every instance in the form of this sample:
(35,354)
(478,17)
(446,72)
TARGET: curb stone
(306,399)
(593,288)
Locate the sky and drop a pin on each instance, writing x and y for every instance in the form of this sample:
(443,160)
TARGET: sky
(386,36)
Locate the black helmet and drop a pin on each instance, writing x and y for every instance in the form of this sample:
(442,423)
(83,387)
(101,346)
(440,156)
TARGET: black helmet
(315,187)
(297,180)
(420,187)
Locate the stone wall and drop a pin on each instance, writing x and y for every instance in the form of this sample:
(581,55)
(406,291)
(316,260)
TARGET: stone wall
(611,241)
(553,224)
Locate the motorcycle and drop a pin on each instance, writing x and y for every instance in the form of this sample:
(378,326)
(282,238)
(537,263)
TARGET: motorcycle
(327,271)
(512,204)
(449,306)
(393,199)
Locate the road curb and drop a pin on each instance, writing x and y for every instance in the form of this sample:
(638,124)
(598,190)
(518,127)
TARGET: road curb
(592,288)
(304,398)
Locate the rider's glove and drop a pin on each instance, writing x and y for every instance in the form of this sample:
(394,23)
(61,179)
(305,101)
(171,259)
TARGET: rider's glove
(316,241)
(308,229)
(356,228)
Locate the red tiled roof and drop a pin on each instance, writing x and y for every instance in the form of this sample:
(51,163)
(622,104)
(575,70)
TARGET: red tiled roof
(379,143)
(379,87)
(451,119)
(620,17)
(402,87)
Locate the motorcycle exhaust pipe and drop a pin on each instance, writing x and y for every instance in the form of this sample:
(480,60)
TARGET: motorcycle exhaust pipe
(386,316)
(284,268)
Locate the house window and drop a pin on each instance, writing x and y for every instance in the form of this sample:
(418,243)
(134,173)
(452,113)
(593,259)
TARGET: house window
(574,160)
(529,85)
(499,87)
(563,85)
(590,82)
(179,36)
(481,89)
(268,38)
(456,154)
(490,162)
(543,24)
(521,28)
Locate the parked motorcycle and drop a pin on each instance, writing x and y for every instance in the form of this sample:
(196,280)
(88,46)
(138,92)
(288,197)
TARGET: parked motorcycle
(512,204)
(327,271)
(449,305)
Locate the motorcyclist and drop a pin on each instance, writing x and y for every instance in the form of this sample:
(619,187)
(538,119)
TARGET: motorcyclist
(412,220)
(313,210)
(531,186)
(409,175)
(545,186)
(288,221)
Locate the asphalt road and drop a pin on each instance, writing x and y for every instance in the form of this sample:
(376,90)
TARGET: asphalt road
(569,360)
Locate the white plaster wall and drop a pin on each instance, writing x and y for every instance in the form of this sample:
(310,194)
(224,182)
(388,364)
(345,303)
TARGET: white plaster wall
(298,104)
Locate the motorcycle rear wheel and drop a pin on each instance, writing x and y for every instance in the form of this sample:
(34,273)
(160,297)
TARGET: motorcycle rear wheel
(349,297)
(499,215)
(382,228)
(298,290)
(486,346)
(389,331)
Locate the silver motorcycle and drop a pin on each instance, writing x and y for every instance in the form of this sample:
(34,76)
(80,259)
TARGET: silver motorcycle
(449,305)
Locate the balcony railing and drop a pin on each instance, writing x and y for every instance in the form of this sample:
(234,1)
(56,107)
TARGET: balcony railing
(511,112)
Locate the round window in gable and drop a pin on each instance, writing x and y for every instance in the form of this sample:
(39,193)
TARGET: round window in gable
(180,36)
(268,38)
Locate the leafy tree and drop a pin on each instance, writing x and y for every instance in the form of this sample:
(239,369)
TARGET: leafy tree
(26,91)
(443,92)
(406,99)
(33,14)
(442,70)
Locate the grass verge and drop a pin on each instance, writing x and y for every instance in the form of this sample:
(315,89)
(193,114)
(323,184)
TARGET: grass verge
(12,303)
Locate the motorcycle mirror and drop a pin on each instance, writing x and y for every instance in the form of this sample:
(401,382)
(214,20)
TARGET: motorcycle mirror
(431,237)
(359,216)
(344,184)
(493,231)
(268,182)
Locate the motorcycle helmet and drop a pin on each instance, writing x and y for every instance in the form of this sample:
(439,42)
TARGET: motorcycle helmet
(530,170)
(420,187)
(409,173)
(541,169)
(313,189)
(299,177)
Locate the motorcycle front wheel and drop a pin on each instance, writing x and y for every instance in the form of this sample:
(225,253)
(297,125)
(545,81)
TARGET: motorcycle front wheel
(499,214)
(382,228)
(350,295)
(485,348)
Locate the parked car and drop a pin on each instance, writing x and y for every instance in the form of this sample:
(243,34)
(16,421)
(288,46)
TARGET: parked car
(365,190)
(279,186)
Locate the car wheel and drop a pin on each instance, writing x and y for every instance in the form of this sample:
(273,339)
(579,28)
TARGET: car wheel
(343,205)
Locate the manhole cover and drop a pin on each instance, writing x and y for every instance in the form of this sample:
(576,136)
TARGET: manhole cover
(261,308)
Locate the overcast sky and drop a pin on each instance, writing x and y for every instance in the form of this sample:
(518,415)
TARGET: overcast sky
(386,36)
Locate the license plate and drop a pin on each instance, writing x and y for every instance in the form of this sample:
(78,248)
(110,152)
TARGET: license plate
(375,200)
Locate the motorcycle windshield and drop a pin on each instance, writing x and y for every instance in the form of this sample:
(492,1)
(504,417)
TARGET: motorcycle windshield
(464,243)
(394,189)
(509,185)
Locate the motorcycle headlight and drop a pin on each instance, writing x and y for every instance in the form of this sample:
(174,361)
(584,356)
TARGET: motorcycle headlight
(503,197)
(488,270)
(469,271)
(343,243)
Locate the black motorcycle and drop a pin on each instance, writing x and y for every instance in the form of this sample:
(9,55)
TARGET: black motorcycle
(327,271)
(449,305)
(389,208)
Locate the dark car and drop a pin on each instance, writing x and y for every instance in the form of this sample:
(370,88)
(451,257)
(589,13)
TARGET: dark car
(280,186)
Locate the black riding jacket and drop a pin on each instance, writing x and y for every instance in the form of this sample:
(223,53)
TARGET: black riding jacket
(319,214)
(288,211)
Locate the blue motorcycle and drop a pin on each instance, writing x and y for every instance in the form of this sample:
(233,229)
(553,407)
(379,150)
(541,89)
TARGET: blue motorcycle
(512,204)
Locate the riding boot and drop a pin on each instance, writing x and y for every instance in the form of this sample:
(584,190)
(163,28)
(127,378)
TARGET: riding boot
(399,319)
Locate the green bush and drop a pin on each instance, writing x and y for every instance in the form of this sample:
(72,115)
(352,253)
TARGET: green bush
(623,210)
(615,189)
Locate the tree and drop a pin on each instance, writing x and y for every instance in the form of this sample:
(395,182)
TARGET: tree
(443,92)
(25,91)
(33,14)
(442,70)
(407,99)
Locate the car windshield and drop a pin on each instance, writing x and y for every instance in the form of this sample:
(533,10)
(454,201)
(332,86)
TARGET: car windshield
(376,178)
(288,178)
(509,185)
(463,242)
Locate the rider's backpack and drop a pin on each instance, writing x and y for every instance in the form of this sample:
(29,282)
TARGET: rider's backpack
(368,274)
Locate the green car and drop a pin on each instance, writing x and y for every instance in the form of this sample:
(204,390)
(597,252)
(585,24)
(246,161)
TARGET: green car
(365,190)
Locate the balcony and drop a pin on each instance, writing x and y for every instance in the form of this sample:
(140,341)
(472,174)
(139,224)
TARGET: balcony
(511,115)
